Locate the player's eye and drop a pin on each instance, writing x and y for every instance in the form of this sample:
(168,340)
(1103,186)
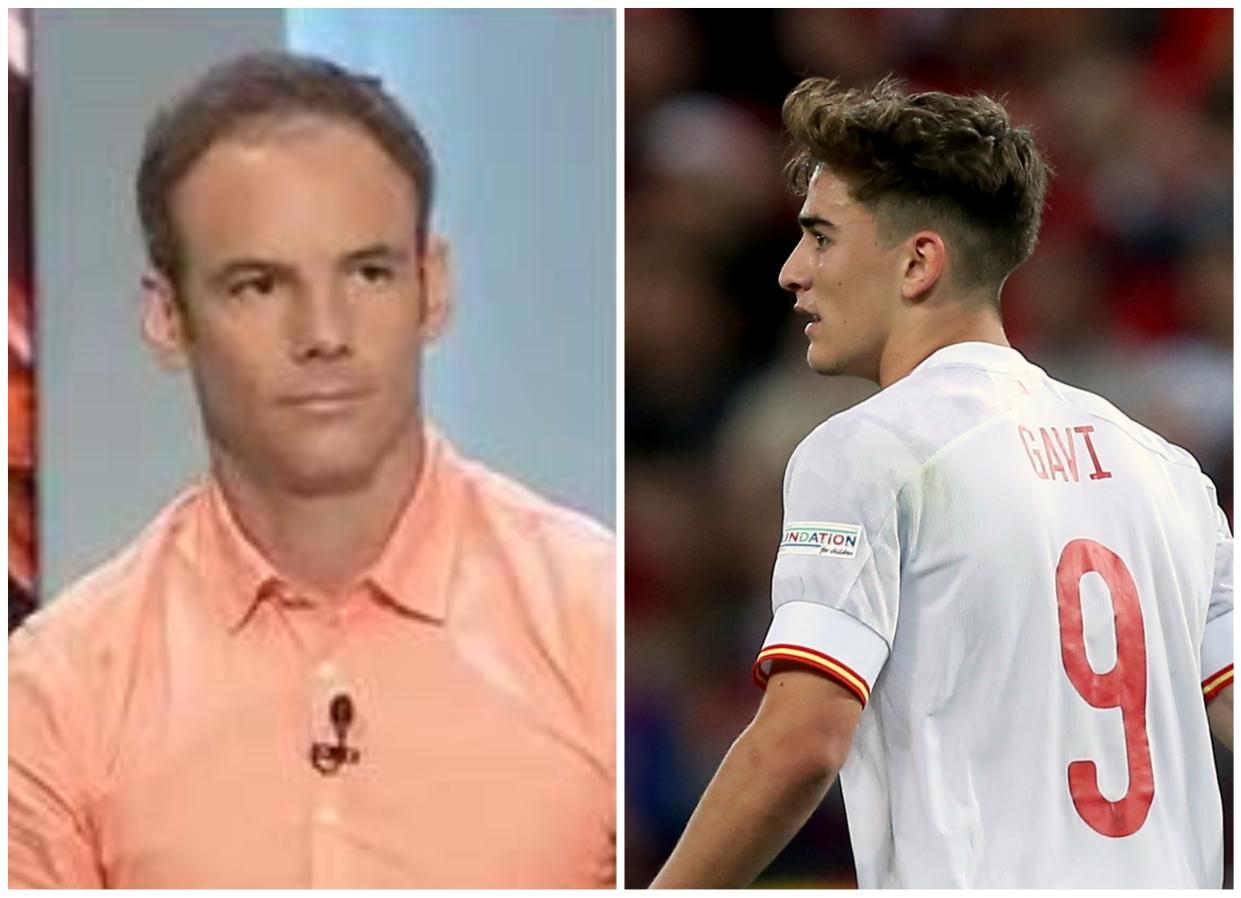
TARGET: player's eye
(821,241)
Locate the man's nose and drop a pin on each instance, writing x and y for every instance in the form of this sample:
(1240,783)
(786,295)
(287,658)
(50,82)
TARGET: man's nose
(323,323)
(793,274)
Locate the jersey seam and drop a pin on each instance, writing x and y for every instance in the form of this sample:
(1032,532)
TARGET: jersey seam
(951,444)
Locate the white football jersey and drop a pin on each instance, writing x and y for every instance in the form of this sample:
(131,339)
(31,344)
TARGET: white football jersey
(1030,593)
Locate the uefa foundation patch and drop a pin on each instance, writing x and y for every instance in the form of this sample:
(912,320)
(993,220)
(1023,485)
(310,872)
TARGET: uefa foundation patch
(816,538)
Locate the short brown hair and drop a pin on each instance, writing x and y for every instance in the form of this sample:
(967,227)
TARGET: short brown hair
(257,87)
(928,159)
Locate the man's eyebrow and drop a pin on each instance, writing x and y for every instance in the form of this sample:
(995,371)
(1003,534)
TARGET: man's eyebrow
(810,222)
(376,251)
(234,267)
(249,264)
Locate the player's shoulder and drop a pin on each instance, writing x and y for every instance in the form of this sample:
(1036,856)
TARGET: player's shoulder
(89,622)
(908,422)
(1105,412)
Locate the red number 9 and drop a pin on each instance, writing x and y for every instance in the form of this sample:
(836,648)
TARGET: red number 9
(1124,686)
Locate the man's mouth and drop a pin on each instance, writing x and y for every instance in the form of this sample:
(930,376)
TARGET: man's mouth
(814,319)
(802,310)
(326,399)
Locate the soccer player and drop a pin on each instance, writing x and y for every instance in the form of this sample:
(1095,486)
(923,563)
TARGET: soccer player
(1002,609)
(350,657)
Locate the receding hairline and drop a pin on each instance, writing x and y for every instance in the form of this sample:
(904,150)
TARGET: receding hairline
(245,98)
(278,126)
(283,128)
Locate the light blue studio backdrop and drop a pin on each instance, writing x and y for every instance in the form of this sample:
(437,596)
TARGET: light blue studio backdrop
(519,108)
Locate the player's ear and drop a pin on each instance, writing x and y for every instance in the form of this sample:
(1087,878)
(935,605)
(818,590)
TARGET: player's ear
(436,288)
(924,264)
(164,327)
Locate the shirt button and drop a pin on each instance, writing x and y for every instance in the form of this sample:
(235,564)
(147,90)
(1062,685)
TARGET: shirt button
(327,816)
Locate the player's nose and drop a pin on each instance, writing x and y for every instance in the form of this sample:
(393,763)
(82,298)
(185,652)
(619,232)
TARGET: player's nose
(794,274)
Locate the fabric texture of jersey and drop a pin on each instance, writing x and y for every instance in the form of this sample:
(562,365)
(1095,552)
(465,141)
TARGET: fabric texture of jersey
(1031,594)
(161,713)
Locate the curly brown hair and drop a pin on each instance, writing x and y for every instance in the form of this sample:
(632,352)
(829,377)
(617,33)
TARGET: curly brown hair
(954,164)
(263,88)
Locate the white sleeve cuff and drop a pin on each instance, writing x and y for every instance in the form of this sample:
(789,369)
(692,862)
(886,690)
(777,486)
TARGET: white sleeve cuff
(1217,654)
(826,639)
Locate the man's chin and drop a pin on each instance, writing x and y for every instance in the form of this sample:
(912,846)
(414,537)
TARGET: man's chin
(827,367)
(328,468)
(334,463)
(321,480)
(837,366)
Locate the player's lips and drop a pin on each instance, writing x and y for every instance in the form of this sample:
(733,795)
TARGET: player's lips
(814,318)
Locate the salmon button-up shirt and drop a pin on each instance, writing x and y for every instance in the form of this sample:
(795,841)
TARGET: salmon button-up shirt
(162,712)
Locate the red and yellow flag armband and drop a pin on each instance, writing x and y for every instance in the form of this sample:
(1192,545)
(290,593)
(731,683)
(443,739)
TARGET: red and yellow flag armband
(1211,687)
(841,673)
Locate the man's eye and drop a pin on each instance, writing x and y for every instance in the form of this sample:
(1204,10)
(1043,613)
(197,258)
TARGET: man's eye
(375,273)
(253,286)
(821,240)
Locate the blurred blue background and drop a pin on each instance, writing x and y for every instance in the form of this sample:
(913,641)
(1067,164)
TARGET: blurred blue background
(519,107)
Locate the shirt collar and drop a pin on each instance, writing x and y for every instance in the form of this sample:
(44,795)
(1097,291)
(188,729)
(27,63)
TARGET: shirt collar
(981,355)
(412,572)
(235,569)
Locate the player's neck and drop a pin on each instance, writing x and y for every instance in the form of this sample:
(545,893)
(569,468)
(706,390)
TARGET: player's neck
(322,543)
(932,330)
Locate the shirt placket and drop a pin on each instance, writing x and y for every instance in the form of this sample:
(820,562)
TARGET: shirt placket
(330,679)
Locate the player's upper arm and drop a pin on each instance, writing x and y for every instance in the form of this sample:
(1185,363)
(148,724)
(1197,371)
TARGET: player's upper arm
(836,582)
(50,842)
(808,720)
(1219,713)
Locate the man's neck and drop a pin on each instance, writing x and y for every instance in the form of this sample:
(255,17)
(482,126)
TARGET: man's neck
(927,333)
(322,543)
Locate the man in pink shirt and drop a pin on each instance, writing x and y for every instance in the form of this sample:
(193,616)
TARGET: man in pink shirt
(349,657)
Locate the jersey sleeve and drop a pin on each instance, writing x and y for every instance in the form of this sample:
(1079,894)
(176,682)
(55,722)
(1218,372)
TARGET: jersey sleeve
(836,582)
(1217,637)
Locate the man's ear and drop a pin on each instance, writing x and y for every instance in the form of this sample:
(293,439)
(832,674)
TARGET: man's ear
(164,327)
(924,265)
(437,293)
